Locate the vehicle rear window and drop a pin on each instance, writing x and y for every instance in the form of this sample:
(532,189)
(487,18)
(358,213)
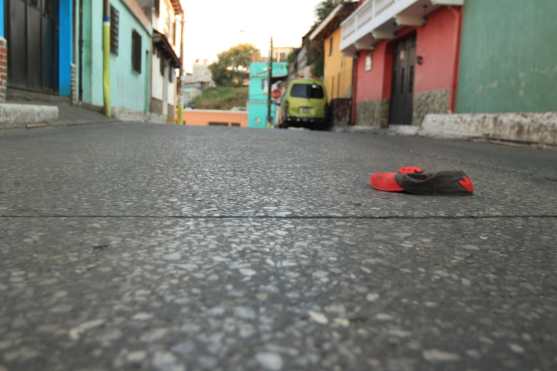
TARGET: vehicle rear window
(307,91)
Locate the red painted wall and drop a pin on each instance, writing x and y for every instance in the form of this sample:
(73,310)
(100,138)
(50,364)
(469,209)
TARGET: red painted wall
(436,43)
(375,85)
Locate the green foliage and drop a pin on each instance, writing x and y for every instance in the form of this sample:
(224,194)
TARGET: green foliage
(324,8)
(292,56)
(232,66)
(221,98)
(315,48)
(318,64)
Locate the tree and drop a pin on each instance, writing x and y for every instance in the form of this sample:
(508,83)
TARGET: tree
(324,8)
(232,66)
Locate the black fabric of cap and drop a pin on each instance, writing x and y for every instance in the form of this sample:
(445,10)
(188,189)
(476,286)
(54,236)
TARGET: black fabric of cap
(441,183)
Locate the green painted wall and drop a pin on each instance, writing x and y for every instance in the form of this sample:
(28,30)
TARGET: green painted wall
(129,89)
(508,56)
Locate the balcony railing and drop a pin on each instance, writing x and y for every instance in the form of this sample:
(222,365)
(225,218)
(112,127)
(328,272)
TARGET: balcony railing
(372,15)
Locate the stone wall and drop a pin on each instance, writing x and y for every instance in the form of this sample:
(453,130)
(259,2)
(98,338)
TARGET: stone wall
(171,113)
(3,68)
(341,112)
(373,114)
(75,85)
(156,106)
(429,102)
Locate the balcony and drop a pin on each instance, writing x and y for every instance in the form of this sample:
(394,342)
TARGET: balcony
(377,20)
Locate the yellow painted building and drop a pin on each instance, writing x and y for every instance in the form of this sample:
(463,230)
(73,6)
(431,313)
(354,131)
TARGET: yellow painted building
(338,68)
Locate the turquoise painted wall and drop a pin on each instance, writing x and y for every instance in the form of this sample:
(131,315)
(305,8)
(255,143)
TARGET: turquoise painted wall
(2,31)
(258,92)
(508,56)
(129,89)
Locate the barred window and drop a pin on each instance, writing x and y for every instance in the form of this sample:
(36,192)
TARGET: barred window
(136,51)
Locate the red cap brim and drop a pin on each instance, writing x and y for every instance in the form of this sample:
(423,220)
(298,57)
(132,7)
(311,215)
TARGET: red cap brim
(385,182)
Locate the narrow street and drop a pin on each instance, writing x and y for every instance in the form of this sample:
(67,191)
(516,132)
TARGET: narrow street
(131,246)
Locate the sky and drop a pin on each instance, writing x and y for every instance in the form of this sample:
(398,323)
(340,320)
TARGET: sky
(215,26)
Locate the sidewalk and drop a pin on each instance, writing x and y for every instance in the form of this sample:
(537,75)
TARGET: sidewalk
(32,110)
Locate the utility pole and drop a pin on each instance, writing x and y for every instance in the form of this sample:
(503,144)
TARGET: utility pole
(106,58)
(270,88)
(180,112)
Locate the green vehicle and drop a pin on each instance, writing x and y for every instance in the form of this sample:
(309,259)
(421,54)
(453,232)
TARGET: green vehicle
(304,105)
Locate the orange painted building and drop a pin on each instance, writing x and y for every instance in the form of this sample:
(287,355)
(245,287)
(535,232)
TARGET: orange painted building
(216,118)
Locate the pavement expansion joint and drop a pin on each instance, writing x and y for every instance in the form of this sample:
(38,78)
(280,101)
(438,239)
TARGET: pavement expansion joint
(288,217)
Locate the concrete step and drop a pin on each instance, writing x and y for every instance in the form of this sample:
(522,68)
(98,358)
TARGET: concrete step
(26,96)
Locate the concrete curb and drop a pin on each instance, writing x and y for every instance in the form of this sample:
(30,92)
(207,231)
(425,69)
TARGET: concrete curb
(26,115)
(524,128)
(125,115)
(393,130)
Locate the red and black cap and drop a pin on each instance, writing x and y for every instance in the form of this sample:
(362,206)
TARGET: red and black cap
(387,182)
(412,180)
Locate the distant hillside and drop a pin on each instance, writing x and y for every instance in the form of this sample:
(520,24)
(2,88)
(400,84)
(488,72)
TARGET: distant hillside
(221,98)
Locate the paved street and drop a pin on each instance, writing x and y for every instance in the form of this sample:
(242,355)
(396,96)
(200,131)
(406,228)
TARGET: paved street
(128,246)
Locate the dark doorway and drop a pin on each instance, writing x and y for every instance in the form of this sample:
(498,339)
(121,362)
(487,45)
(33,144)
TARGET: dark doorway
(404,66)
(31,33)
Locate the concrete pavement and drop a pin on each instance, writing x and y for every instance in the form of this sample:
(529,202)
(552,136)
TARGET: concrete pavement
(172,248)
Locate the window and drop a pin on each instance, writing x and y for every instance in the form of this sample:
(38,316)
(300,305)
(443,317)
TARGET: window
(331,46)
(307,91)
(114,30)
(136,51)
(162,64)
(171,73)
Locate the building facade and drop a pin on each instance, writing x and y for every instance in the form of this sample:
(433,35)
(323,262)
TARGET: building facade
(36,46)
(406,59)
(337,65)
(258,96)
(193,84)
(167,19)
(130,51)
(417,57)
(281,53)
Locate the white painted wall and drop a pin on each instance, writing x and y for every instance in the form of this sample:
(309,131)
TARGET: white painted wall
(163,24)
(157,78)
(158,82)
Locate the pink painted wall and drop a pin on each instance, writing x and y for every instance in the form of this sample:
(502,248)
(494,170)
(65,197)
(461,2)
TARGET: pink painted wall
(437,44)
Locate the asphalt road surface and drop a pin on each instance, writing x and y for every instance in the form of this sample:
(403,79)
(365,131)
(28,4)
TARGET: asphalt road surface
(137,247)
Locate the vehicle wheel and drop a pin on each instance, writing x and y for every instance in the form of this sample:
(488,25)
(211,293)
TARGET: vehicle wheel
(286,120)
